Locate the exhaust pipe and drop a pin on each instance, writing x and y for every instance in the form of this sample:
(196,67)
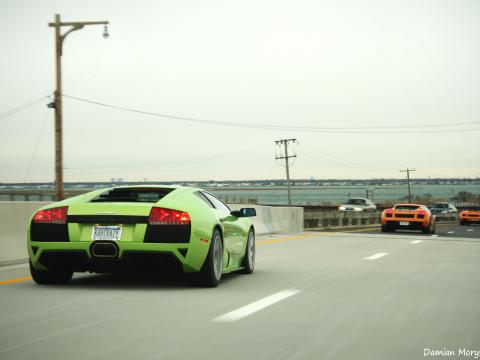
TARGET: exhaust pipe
(104,249)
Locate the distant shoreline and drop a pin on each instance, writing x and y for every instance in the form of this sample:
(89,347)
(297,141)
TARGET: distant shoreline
(277,184)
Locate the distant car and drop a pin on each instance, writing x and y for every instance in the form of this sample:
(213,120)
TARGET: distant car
(408,217)
(148,227)
(358,204)
(469,216)
(443,208)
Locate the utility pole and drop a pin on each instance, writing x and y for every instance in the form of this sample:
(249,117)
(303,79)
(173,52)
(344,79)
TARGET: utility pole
(285,156)
(57,104)
(408,171)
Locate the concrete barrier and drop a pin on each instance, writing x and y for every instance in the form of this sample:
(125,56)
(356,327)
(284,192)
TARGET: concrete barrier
(14,217)
(275,219)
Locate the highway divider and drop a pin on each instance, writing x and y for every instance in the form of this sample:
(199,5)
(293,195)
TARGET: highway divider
(14,216)
(315,219)
(275,219)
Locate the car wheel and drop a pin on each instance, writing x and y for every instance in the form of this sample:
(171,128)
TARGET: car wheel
(50,277)
(211,271)
(432,230)
(248,262)
(462,222)
(428,229)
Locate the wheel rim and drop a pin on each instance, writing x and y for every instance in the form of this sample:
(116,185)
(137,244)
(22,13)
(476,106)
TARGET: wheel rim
(217,257)
(251,250)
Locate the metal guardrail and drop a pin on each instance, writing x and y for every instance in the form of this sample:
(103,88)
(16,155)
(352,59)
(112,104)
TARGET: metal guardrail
(323,219)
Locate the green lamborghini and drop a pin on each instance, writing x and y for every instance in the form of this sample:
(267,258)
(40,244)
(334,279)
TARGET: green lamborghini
(148,227)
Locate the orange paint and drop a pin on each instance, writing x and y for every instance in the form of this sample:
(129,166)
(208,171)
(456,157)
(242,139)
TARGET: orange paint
(11,281)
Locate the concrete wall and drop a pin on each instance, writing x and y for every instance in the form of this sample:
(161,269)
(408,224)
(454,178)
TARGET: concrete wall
(14,216)
(275,219)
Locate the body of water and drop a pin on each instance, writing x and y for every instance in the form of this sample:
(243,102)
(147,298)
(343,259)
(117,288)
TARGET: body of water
(337,194)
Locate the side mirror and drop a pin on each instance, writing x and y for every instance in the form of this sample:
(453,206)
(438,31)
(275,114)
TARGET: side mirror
(244,212)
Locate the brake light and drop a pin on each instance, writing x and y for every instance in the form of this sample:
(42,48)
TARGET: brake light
(53,216)
(421,212)
(161,216)
(388,211)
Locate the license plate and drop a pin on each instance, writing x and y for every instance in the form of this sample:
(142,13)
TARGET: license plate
(107,233)
(404,223)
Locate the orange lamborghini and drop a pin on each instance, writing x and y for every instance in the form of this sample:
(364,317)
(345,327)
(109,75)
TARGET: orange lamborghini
(408,217)
(469,216)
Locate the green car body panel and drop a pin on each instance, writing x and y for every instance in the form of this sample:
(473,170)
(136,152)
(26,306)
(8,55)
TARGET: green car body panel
(191,255)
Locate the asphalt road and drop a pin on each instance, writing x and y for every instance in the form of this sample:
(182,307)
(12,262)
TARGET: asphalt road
(443,229)
(315,295)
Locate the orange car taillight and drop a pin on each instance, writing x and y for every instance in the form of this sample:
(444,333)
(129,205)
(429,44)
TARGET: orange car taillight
(421,214)
(52,216)
(161,216)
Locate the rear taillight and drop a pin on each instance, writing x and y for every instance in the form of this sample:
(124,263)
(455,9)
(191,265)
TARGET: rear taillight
(388,211)
(421,212)
(52,216)
(161,216)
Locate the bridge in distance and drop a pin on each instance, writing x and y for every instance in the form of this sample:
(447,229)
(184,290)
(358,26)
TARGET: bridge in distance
(315,295)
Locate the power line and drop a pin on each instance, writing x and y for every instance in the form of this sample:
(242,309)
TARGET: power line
(22,107)
(35,148)
(345,130)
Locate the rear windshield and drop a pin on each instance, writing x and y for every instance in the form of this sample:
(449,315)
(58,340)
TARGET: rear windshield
(132,195)
(356,202)
(440,206)
(406,207)
(474,208)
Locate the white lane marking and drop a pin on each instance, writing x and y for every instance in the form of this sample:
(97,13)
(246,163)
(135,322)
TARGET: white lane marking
(450,232)
(256,306)
(416,241)
(434,236)
(376,256)
(469,230)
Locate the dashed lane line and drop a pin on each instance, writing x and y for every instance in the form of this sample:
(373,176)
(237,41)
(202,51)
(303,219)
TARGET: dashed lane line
(376,256)
(249,309)
(416,241)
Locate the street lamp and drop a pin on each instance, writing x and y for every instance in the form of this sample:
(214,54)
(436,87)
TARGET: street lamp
(57,103)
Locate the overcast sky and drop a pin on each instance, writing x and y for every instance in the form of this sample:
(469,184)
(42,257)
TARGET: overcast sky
(323,64)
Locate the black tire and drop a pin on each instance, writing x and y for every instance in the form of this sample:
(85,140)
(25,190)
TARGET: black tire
(248,261)
(462,222)
(48,277)
(386,228)
(211,272)
(430,229)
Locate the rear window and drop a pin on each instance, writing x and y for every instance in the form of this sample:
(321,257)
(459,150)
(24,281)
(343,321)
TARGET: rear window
(132,195)
(356,202)
(440,206)
(406,207)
